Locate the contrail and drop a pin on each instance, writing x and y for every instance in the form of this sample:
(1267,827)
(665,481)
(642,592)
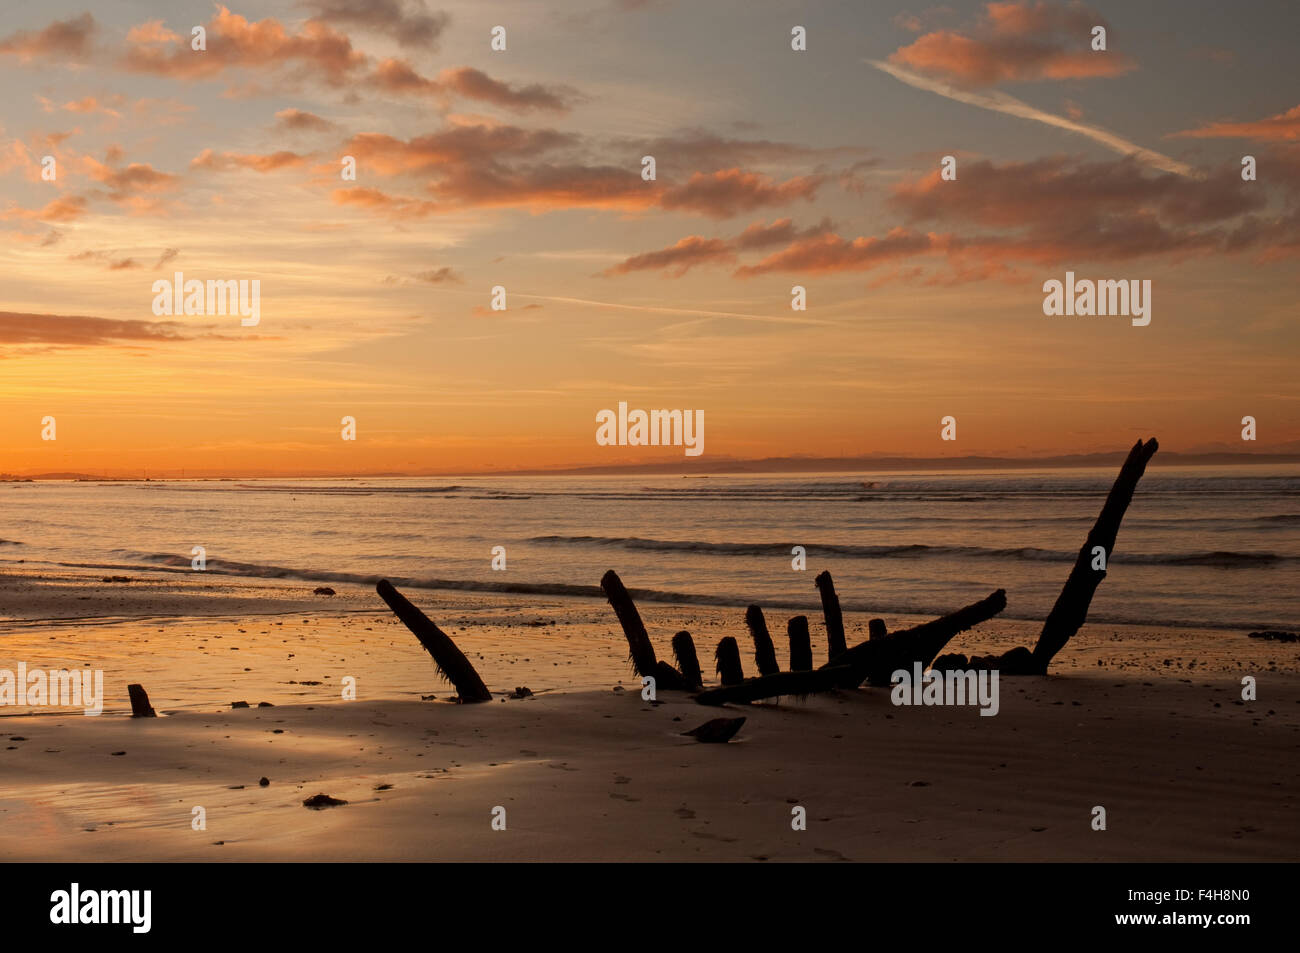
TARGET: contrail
(1003,103)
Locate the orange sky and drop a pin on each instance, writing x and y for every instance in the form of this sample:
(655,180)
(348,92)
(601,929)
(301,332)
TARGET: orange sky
(522,169)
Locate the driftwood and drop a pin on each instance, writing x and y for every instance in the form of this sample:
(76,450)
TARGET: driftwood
(876,629)
(640,652)
(769,686)
(800,644)
(831,611)
(1071,609)
(688,663)
(140,707)
(449,660)
(764,651)
(876,659)
(727,657)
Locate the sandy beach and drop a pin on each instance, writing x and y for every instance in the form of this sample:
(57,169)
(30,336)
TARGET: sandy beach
(1147,722)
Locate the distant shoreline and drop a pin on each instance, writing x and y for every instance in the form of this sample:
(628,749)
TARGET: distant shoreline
(768,466)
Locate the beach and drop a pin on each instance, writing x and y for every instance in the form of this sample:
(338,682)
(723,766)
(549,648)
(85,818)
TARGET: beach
(1145,721)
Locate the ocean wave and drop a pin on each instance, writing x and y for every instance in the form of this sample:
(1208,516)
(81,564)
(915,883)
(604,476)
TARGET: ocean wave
(1220,558)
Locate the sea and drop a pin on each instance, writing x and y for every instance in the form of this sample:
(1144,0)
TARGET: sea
(1201,547)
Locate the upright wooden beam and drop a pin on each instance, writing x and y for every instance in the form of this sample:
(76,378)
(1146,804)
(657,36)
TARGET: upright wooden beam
(764,651)
(140,707)
(688,663)
(831,611)
(727,657)
(801,659)
(640,651)
(449,660)
(1071,609)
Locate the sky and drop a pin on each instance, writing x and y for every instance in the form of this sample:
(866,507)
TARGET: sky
(522,169)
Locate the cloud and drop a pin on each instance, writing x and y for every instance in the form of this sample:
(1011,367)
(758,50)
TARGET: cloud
(830,253)
(1047,212)
(213,161)
(462,144)
(106,258)
(695,250)
(410,23)
(487,164)
(437,276)
(135,180)
(298,120)
(234,41)
(732,191)
(678,258)
(475,84)
(700,150)
(167,255)
(1061,193)
(65,208)
(70,40)
(1016,41)
(1283,127)
(79,331)
(1004,103)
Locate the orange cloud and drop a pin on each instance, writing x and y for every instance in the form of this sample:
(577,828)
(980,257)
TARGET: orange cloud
(297,119)
(1016,41)
(234,41)
(831,253)
(81,331)
(210,160)
(678,258)
(69,40)
(1284,127)
(475,84)
(65,208)
(731,191)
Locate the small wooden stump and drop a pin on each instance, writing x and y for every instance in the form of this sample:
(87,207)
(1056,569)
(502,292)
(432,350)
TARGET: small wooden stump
(140,707)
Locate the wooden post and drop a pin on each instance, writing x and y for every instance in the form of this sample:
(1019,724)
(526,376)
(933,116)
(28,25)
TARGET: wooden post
(831,611)
(688,662)
(449,660)
(728,662)
(876,629)
(640,651)
(764,651)
(140,707)
(770,686)
(801,659)
(876,659)
(1071,608)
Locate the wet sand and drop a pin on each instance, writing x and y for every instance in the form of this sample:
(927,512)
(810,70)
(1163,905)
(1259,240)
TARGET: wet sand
(1144,721)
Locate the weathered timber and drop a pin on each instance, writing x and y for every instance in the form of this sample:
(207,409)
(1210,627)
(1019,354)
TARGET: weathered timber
(831,611)
(140,707)
(876,629)
(688,663)
(800,644)
(764,651)
(640,651)
(876,659)
(1071,609)
(727,657)
(449,660)
(718,731)
(769,686)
